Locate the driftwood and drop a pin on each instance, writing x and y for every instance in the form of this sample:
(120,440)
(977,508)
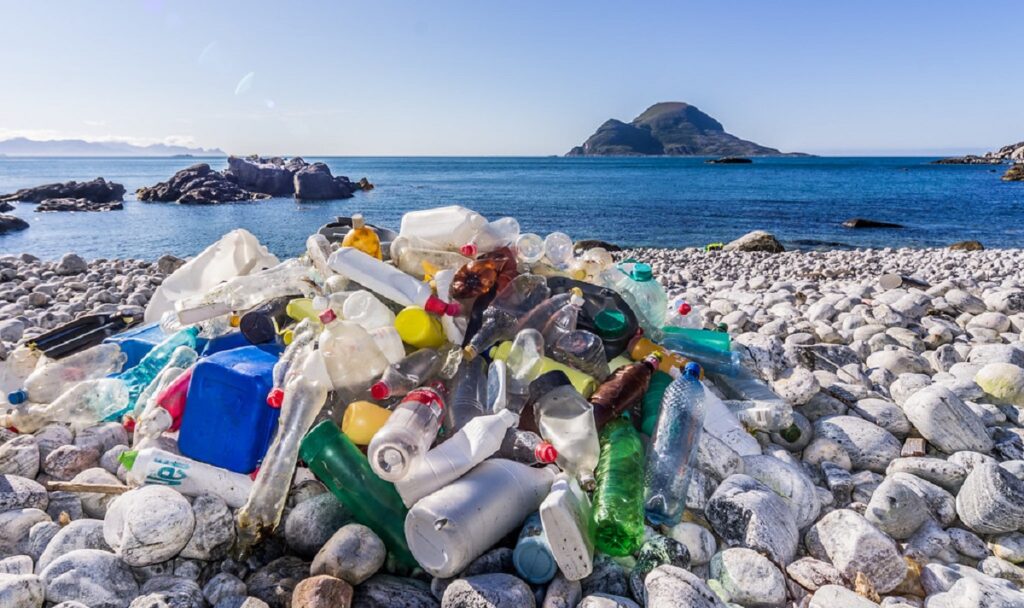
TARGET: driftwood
(86,488)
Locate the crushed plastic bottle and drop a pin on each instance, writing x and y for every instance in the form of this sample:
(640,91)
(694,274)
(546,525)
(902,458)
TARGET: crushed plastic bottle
(51,380)
(153,466)
(84,404)
(566,419)
(581,350)
(245,292)
(683,314)
(140,376)
(363,238)
(585,384)
(526,447)
(303,335)
(352,358)
(501,317)
(318,248)
(525,362)
(623,390)
(468,396)
(404,439)
(412,371)
(563,320)
(618,513)
(480,276)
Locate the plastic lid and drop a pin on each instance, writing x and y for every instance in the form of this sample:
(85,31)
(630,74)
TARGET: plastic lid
(468,250)
(610,323)
(127,458)
(438,306)
(545,452)
(533,561)
(275,398)
(692,371)
(380,391)
(327,316)
(684,308)
(642,272)
(358,221)
(17,397)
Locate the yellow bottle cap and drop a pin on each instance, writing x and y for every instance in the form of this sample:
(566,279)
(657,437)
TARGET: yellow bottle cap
(362,420)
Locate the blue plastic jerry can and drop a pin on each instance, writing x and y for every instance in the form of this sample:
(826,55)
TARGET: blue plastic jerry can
(227,422)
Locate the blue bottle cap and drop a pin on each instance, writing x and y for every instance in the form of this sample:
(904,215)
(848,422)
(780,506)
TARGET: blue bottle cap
(642,272)
(533,560)
(17,397)
(692,371)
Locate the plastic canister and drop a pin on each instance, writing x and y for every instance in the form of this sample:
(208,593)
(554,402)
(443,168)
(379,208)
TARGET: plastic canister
(362,419)
(227,422)
(453,526)
(640,347)
(532,556)
(565,515)
(583,383)
(419,328)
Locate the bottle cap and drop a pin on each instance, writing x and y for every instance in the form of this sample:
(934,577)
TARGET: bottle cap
(437,306)
(129,424)
(127,458)
(610,323)
(358,221)
(692,371)
(642,272)
(380,391)
(17,397)
(327,316)
(468,250)
(275,398)
(469,353)
(545,452)
(684,308)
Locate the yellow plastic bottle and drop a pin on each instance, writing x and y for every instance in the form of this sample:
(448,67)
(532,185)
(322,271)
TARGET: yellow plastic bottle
(302,308)
(583,383)
(362,238)
(419,328)
(640,347)
(362,420)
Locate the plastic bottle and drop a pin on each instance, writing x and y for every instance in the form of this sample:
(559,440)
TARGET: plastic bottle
(82,405)
(419,328)
(565,516)
(362,238)
(723,424)
(683,314)
(352,357)
(302,309)
(623,390)
(754,403)
(618,514)
(558,250)
(20,363)
(650,405)
(583,383)
(420,258)
(529,248)
(502,316)
(563,320)
(388,281)
(477,277)
(172,398)
(412,371)
(532,556)
(567,421)
(265,322)
(453,526)
(304,396)
(526,447)
(591,264)
(245,292)
(542,314)
(303,335)
(581,350)
(502,232)
(477,440)
(468,395)
(153,466)
(139,377)
(404,439)
(445,227)
(373,502)
(647,298)
(710,348)
(362,420)
(454,327)
(318,248)
(524,362)
(181,359)
(640,348)
(672,452)
(51,380)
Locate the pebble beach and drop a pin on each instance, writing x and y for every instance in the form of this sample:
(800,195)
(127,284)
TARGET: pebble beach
(903,489)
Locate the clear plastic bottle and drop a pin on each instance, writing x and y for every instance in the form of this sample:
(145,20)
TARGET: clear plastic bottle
(753,402)
(295,352)
(683,314)
(412,371)
(363,238)
(140,376)
(83,404)
(153,466)
(647,298)
(558,250)
(590,265)
(525,363)
(502,232)
(585,384)
(623,390)
(526,447)
(497,386)
(181,359)
(16,368)
(318,248)
(640,348)
(581,350)
(529,248)
(563,320)
(468,395)
(672,452)
(501,317)
(360,307)
(566,419)
(403,440)
(618,514)
(352,357)
(388,281)
(419,258)
(542,314)
(389,343)
(565,515)
(454,327)
(245,292)
(51,380)
(446,228)
(723,424)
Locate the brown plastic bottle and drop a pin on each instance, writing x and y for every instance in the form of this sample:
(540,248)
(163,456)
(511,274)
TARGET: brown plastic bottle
(492,271)
(623,389)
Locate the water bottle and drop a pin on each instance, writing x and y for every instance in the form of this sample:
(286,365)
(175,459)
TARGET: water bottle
(302,338)
(711,348)
(468,395)
(477,440)
(362,420)
(558,250)
(565,516)
(581,350)
(502,232)
(82,405)
(542,314)
(650,405)
(453,526)
(245,292)
(645,296)
(529,248)
(502,316)
(641,347)
(419,258)
(318,248)
(563,320)
(672,453)
(181,359)
(153,466)
(567,421)
(388,281)
(684,315)
(526,447)
(497,386)
(532,557)
(360,237)
(525,362)
(360,307)
(352,357)
(403,440)
(618,514)
(623,390)
(754,403)
(51,380)
(139,377)
(373,502)
(412,371)
(447,228)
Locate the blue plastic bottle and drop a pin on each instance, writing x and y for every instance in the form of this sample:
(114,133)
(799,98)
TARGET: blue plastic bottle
(227,422)
(532,556)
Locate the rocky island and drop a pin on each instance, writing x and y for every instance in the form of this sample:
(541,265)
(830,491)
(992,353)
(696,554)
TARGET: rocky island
(669,129)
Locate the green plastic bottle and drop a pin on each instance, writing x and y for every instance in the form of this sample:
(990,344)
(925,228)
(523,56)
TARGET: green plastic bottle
(373,502)
(651,403)
(618,514)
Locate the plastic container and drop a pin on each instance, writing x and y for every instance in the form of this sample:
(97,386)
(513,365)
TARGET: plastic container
(478,439)
(405,438)
(373,502)
(650,405)
(362,238)
(526,447)
(447,228)
(710,348)
(591,264)
(720,422)
(529,248)
(81,406)
(583,383)
(227,399)
(263,323)
(641,347)
(558,250)
(139,377)
(481,276)
(468,395)
(181,359)
(454,327)
(683,315)
(153,466)
(582,350)
(51,380)
(419,328)
(453,526)
(303,335)
(565,516)
(501,317)
(352,357)
(364,308)
(389,343)
(605,313)
(524,363)
(318,248)
(618,513)
(362,420)
(412,371)
(563,320)
(566,419)
(622,391)
(388,281)
(245,292)
(420,258)
(532,556)
(173,398)
(502,232)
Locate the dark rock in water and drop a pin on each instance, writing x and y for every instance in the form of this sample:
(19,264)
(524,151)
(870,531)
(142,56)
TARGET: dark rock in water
(1015,173)
(197,185)
(315,182)
(271,176)
(10,223)
(656,551)
(364,184)
(98,190)
(76,204)
(385,591)
(729,160)
(758,240)
(586,244)
(859,222)
(671,129)
(5,206)
(967,246)
(970,159)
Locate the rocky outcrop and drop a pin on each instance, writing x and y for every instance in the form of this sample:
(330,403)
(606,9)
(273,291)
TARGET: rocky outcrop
(970,159)
(729,160)
(758,240)
(1014,173)
(4,206)
(668,129)
(273,176)
(10,223)
(315,182)
(98,190)
(197,185)
(1011,152)
(859,222)
(967,246)
(76,204)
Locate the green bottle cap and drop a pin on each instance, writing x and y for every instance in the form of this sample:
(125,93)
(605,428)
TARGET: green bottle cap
(128,458)
(642,272)
(610,323)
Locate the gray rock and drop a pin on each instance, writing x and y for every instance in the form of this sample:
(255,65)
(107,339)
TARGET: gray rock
(488,590)
(312,523)
(788,481)
(853,545)
(967,543)
(1001,568)
(869,446)
(148,525)
(811,573)
(98,579)
(747,513)
(102,437)
(95,505)
(698,540)
(67,461)
(671,587)
(169,592)
(20,456)
(79,534)
(275,582)
(834,596)
(983,354)
(562,593)
(223,585)
(991,500)
(943,473)
(21,591)
(603,600)
(21,493)
(748,578)
(214,531)
(896,509)
(51,437)
(899,361)
(1008,546)
(354,553)
(384,591)
(39,536)
(972,593)
(71,264)
(946,421)
(67,503)
(15,530)
(885,414)
(19,564)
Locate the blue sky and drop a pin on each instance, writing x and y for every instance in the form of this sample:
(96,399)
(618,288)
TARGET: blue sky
(512,78)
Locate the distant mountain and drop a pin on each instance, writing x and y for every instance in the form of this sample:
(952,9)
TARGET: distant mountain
(21,146)
(669,129)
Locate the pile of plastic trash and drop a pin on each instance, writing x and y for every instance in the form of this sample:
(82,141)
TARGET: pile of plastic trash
(449,384)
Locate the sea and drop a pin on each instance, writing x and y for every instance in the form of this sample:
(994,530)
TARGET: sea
(658,202)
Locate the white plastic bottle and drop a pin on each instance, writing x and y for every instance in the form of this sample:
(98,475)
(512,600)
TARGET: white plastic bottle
(245,292)
(565,515)
(453,526)
(388,281)
(472,444)
(403,441)
(154,466)
(566,419)
(51,380)
(444,227)
(82,405)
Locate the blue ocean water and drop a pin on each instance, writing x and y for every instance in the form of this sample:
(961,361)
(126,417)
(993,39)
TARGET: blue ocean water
(666,202)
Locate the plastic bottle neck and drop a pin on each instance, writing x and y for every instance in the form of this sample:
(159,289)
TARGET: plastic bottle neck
(545,452)
(437,306)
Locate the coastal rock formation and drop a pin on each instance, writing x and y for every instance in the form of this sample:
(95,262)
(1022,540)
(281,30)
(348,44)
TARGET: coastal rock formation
(272,176)
(197,185)
(315,182)
(1015,173)
(758,240)
(970,159)
(98,190)
(669,129)
(1013,152)
(76,204)
(859,222)
(10,223)
(729,160)
(967,246)
(5,206)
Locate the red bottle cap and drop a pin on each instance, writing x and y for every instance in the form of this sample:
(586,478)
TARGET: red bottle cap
(327,316)
(468,250)
(128,424)
(380,391)
(545,452)
(437,306)
(684,308)
(275,398)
